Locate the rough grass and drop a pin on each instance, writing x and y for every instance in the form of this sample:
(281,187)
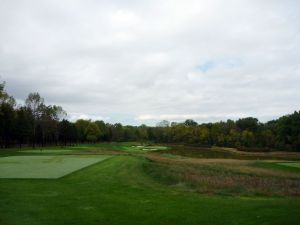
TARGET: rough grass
(223,176)
(49,167)
(229,153)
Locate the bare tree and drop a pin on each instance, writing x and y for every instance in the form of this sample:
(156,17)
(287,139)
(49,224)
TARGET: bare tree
(35,103)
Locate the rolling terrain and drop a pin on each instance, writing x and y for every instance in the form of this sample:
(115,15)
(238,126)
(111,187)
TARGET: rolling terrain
(136,184)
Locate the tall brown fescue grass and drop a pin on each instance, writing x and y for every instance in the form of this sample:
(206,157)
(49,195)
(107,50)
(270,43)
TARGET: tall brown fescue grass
(223,176)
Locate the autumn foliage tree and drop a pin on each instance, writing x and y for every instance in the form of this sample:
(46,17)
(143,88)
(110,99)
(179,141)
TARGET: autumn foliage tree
(37,123)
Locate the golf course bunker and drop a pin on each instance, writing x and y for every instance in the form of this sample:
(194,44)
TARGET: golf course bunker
(151,147)
(48,167)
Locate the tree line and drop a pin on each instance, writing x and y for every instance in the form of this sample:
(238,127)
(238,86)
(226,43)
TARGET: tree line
(37,124)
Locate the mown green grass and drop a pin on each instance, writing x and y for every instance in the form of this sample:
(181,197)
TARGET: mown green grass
(291,164)
(47,151)
(126,146)
(285,166)
(49,167)
(101,148)
(120,191)
(117,191)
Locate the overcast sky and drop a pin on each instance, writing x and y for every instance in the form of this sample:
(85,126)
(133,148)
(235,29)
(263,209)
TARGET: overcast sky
(137,61)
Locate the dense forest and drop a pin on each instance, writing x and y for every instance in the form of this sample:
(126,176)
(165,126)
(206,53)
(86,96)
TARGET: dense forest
(37,124)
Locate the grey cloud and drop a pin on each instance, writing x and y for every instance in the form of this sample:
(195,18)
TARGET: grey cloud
(126,60)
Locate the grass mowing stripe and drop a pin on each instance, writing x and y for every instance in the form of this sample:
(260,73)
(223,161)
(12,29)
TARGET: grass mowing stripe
(49,167)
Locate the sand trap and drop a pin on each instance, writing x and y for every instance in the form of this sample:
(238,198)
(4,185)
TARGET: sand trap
(149,149)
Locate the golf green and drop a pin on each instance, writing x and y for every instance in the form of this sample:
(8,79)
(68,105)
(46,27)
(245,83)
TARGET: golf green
(49,167)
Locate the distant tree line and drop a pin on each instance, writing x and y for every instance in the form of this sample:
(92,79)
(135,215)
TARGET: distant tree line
(37,124)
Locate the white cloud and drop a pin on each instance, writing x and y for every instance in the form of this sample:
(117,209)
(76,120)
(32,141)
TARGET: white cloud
(77,116)
(181,117)
(207,59)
